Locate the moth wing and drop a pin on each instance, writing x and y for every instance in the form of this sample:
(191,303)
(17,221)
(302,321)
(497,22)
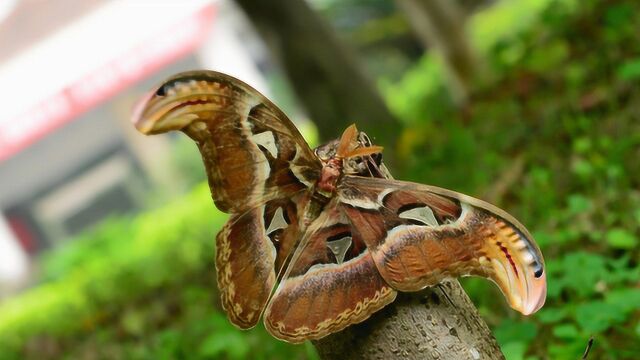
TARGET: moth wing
(418,234)
(252,151)
(332,282)
(259,169)
(251,250)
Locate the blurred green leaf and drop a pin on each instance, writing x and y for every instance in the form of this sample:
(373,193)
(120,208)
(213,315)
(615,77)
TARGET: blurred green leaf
(625,300)
(552,315)
(579,204)
(598,316)
(566,331)
(230,344)
(133,322)
(582,145)
(581,271)
(546,57)
(621,239)
(514,350)
(583,168)
(630,70)
(619,14)
(510,331)
(168,342)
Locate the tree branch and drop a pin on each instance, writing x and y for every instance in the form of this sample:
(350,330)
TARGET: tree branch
(325,74)
(439,24)
(439,322)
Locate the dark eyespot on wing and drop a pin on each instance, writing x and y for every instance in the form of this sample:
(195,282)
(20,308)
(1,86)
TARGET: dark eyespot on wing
(161,91)
(536,261)
(538,273)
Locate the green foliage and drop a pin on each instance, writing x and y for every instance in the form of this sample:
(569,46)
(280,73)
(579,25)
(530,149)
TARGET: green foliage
(562,98)
(186,161)
(621,239)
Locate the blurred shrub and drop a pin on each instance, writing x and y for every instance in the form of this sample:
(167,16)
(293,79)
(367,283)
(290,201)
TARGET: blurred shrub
(141,288)
(186,160)
(553,135)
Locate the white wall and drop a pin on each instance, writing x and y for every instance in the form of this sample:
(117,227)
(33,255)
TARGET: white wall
(13,260)
(232,48)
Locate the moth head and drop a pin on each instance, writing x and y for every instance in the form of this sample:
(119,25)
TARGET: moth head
(174,105)
(355,148)
(326,151)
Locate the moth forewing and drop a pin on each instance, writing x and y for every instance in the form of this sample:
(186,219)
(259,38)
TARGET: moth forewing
(422,234)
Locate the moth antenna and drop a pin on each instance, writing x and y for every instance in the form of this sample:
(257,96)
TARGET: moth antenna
(346,141)
(379,173)
(366,163)
(363,151)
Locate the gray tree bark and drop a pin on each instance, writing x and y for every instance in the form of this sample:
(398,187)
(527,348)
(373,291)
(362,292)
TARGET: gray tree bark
(439,323)
(325,74)
(440,25)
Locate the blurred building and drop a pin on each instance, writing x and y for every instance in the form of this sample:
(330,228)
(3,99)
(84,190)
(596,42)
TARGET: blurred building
(71,71)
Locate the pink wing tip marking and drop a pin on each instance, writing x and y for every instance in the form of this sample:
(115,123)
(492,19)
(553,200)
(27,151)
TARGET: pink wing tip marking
(518,269)
(137,117)
(536,294)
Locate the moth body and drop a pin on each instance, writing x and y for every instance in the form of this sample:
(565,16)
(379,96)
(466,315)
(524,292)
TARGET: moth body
(331,172)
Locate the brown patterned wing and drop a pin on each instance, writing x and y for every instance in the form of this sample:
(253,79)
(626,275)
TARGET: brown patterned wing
(251,250)
(419,234)
(259,169)
(252,152)
(332,283)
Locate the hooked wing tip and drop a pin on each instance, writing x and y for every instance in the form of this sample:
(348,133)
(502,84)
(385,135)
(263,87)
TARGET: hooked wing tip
(156,114)
(536,295)
(524,291)
(138,118)
(518,269)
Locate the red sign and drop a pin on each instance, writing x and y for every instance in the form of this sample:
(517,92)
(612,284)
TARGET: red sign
(105,81)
